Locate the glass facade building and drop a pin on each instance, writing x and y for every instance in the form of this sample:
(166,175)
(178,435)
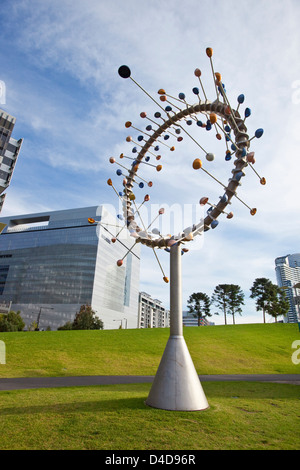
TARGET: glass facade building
(288,276)
(52,263)
(9,151)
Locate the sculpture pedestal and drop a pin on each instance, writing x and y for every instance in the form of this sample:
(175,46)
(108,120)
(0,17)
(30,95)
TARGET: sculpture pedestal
(176,384)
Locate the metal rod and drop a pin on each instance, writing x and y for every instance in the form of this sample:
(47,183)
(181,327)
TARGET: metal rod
(175,291)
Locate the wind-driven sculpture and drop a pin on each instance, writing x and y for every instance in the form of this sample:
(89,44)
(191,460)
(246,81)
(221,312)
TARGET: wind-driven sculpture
(176,385)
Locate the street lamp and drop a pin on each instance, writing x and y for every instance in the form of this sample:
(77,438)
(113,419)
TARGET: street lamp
(120,323)
(39,316)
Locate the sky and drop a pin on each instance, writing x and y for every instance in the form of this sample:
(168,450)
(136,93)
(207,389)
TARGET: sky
(59,63)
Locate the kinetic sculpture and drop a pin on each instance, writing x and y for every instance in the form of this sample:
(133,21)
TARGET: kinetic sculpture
(176,385)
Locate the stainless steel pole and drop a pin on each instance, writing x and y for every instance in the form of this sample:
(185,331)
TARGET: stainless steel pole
(175,291)
(176,385)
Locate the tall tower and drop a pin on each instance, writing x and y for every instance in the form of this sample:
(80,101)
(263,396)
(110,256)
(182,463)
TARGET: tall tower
(9,150)
(288,276)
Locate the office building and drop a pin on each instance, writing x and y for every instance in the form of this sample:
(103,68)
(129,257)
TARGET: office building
(189,320)
(152,314)
(288,276)
(9,151)
(52,263)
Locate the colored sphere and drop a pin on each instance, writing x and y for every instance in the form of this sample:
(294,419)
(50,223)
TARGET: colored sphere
(210,157)
(203,201)
(259,133)
(181,96)
(119,262)
(213,118)
(91,221)
(209,52)
(197,72)
(196,90)
(124,71)
(197,164)
(128,124)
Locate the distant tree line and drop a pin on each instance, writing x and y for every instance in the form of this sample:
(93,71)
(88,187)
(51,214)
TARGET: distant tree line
(229,298)
(85,319)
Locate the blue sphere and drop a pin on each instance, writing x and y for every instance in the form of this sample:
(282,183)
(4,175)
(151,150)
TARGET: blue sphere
(259,133)
(247,112)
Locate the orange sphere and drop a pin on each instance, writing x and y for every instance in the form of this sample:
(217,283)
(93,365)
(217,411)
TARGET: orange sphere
(161,91)
(159,167)
(128,124)
(109,182)
(166,279)
(213,118)
(197,72)
(119,262)
(209,52)
(197,164)
(91,221)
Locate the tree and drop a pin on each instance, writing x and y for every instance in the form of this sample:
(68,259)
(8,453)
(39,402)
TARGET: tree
(228,298)
(236,299)
(280,304)
(11,321)
(199,306)
(85,319)
(263,291)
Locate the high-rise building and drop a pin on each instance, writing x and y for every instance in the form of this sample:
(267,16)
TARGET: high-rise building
(288,276)
(152,314)
(52,263)
(9,150)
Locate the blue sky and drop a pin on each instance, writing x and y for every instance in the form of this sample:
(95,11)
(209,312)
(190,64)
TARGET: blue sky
(59,61)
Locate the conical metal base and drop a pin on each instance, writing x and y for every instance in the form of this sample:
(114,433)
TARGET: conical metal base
(176,385)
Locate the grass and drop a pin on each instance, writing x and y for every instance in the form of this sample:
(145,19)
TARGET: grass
(231,349)
(242,416)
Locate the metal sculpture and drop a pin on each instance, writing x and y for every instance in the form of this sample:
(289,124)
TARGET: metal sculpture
(176,385)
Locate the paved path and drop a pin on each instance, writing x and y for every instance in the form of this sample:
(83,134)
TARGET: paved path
(49,382)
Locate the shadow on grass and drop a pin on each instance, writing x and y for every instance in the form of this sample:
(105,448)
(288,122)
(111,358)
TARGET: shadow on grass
(213,390)
(120,404)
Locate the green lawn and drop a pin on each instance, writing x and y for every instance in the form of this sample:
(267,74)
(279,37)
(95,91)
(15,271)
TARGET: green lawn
(244,349)
(242,416)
